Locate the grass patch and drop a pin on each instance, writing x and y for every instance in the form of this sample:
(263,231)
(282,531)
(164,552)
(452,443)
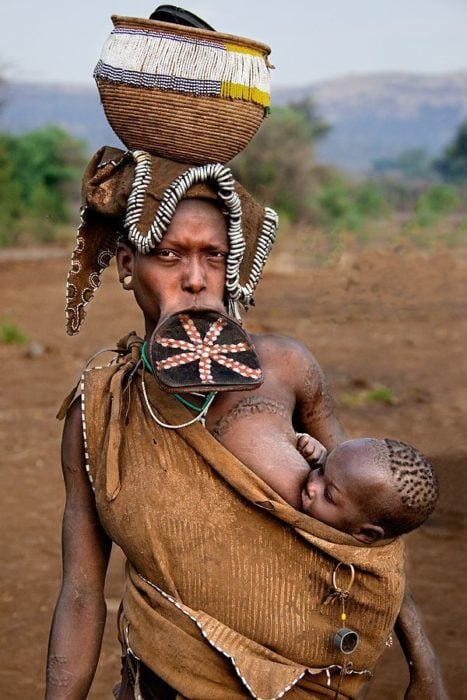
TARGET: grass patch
(11,333)
(362,397)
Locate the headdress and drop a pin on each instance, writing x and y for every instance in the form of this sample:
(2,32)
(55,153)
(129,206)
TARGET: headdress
(184,100)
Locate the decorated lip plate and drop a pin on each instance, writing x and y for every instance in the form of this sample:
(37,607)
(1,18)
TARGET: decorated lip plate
(203,351)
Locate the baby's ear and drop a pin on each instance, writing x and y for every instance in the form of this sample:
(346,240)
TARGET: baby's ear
(368,534)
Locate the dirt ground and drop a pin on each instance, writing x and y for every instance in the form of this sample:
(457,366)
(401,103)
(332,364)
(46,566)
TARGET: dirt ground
(393,319)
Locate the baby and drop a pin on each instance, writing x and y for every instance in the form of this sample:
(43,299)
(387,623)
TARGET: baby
(372,489)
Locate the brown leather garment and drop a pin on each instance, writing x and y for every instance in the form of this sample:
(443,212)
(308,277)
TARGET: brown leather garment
(225,582)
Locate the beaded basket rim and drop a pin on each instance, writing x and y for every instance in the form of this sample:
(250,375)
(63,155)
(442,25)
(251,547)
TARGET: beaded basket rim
(182,30)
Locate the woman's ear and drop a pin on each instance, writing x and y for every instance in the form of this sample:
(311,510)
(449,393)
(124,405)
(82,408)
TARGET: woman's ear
(368,533)
(125,258)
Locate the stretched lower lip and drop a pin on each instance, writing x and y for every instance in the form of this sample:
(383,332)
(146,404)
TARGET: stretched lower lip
(196,305)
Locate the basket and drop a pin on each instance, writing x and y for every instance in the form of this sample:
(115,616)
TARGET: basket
(183,93)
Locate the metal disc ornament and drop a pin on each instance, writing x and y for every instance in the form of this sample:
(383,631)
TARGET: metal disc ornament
(346,640)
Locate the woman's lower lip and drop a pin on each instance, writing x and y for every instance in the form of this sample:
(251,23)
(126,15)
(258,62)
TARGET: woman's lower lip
(192,305)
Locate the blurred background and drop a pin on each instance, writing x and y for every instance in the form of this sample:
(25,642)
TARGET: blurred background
(367,129)
(364,156)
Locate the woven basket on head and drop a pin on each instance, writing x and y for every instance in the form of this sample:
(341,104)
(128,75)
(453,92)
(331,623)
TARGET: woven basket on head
(186,94)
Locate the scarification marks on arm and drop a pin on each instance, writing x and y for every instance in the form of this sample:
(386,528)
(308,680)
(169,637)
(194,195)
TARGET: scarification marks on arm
(318,401)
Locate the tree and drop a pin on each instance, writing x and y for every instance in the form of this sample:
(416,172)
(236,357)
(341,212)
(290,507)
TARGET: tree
(316,126)
(452,166)
(278,166)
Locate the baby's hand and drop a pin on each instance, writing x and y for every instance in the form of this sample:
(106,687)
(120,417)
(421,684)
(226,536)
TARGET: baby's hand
(310,448)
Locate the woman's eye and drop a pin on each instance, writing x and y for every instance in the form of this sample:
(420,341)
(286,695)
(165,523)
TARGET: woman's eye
(218,254)
(164,253)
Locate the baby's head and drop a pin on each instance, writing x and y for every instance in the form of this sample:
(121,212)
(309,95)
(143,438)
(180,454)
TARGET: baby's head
(372,489)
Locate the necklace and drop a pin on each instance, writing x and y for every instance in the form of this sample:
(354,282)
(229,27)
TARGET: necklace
(202,410)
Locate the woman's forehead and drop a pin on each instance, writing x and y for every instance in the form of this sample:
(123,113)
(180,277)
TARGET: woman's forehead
(197,217)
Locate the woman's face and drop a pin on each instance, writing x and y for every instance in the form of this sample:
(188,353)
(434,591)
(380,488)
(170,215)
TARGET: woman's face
(186,269)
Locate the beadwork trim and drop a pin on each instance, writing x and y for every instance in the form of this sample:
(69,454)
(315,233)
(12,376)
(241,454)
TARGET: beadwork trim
(148,33)
(222,177)
(182,609)
(349,672)
(209,88)
(328,669)
(184,64)
(83,414)
(74,307)
(85,437)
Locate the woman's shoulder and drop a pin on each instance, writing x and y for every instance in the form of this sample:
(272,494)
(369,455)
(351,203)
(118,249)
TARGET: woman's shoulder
(282,350)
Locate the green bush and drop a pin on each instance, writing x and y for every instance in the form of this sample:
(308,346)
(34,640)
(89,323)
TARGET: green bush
(347,206)
(370,201)
(39,174)
(436,202)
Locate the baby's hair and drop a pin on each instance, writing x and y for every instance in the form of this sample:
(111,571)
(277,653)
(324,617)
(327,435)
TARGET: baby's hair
(416,485)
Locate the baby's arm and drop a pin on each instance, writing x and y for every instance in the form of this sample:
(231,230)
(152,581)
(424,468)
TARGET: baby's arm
(314,452)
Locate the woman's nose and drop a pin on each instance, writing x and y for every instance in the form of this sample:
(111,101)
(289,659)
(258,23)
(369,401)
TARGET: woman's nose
(194,279)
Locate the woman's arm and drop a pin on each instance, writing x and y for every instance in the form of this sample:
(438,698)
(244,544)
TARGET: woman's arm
(79,617)
(426,682)
(315,411)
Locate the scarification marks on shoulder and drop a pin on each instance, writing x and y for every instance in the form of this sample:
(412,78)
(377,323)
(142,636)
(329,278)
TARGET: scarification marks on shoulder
(247,407)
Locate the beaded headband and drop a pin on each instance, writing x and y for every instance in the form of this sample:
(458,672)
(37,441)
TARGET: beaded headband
(137,193)
(221,179)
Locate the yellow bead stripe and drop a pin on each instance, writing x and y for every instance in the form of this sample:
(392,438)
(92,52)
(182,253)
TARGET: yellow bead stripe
(242,49)
(244,92)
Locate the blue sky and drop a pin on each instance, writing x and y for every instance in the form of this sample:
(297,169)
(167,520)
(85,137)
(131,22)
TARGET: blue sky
(57,41)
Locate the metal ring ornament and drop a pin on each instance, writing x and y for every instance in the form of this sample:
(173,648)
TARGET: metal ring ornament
(334,577)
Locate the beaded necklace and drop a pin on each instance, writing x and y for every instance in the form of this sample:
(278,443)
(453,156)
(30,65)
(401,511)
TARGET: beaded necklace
(201,410)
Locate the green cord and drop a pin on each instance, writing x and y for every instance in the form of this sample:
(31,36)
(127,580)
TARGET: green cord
(182,399)
(144,357)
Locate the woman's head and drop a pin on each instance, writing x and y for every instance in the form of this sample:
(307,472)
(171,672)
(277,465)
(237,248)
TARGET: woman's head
(141,194)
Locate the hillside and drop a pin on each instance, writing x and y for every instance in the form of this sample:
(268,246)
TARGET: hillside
(380,115)
(372,116)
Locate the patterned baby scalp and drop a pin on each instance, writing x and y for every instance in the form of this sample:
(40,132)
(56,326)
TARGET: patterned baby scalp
(184,93)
